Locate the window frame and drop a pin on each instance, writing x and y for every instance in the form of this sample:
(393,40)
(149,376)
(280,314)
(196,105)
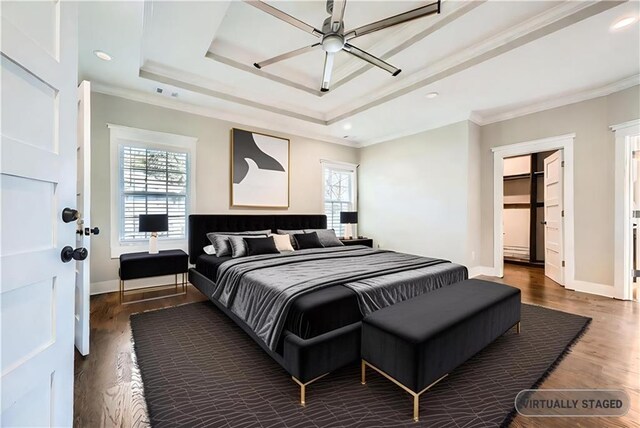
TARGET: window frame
(121,136)
(343,166)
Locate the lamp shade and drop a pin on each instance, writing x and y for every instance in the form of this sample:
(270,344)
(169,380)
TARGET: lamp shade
(348,217)
(154,223)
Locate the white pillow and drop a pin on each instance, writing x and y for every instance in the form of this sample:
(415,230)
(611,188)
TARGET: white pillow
(209,249)
(283,243)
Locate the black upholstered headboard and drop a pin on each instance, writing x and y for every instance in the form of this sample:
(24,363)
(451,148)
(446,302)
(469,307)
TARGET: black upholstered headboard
(201,224)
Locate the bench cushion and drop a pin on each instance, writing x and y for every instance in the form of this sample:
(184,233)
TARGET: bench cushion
(419,340)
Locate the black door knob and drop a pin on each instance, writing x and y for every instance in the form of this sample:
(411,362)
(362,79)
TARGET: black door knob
(68,253)
(89,231)
(69,215)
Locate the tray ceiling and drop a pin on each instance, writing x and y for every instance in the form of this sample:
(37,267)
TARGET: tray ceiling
(483,58)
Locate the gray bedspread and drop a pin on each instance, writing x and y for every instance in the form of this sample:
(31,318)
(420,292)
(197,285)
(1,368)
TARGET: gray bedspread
(260,289)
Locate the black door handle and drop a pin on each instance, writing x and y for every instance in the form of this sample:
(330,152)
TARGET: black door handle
(89,231)
(68,253)
(69,215)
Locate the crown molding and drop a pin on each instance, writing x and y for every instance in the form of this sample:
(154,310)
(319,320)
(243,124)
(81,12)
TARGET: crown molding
(162,74)
(261,73)
(173,104)
(559,101)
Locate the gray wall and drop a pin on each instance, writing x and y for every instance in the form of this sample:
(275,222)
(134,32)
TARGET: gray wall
(429,194)
(414,193)
(593,169)
(212,166)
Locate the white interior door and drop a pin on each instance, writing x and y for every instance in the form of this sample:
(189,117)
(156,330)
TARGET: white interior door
(85,230)
(634,215)
(38,179)
(553,218)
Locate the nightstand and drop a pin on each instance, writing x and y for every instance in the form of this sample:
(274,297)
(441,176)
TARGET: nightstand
(358,241)
(145,265)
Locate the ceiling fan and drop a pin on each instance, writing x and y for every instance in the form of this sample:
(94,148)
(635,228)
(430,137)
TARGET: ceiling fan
(334,38)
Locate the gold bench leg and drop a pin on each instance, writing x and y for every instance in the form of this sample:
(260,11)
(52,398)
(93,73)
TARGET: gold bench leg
(518,328)
(415,395)
(363,373)
(303,387)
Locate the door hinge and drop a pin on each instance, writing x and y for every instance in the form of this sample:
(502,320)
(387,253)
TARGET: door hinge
(636,214)
(635,273)
(562,213)
(563,263)
(562,164)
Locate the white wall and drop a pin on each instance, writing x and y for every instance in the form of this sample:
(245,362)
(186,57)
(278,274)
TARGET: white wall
(212,168)
(420,194)
(593,173)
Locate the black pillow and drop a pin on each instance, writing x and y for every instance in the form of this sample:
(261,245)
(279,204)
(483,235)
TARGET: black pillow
(308,240)
(257,246)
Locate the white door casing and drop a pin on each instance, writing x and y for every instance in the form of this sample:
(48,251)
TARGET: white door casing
(554,217)
(623,230)
(83,196)
(38,179)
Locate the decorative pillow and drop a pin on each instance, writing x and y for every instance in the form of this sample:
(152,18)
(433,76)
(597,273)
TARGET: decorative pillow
(327,237)
(290,233)
(238,246)
(308,240)
(221,244)
(257,246)
(209,249)
(283,242)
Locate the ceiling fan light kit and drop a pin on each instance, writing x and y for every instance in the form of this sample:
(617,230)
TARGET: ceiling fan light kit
(334,39)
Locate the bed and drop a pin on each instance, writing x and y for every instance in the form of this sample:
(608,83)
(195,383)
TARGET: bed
(305,308)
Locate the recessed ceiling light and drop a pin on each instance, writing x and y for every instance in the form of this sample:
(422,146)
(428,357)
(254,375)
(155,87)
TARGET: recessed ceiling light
(623,22)
(102,55)
(432,95)
(346,126)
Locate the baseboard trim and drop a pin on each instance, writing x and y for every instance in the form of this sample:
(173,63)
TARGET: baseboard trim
(481,271)
(593,288)
(113,285)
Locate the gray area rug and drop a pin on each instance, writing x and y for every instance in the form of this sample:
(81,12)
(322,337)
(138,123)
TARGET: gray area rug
(200,370)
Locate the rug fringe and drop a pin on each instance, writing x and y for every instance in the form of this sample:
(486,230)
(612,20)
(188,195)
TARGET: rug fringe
(513,413)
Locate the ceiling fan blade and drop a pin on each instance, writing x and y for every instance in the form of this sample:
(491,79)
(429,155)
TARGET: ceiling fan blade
(285,56)
(337,15)
(394,20)
(371,59)
(284,17)
(328,68)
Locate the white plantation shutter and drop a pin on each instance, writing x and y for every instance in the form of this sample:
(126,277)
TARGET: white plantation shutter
(339,193)
(153,181)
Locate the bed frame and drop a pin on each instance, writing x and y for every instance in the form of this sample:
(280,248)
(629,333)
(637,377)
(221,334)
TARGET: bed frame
(306,360)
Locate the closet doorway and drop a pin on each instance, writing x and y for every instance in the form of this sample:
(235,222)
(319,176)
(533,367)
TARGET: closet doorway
(556,155)
(532,212)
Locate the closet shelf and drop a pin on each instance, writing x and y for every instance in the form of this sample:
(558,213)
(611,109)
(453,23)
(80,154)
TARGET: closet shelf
(522,205)
(517,177)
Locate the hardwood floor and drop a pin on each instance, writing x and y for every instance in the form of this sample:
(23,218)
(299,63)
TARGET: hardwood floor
(108,390)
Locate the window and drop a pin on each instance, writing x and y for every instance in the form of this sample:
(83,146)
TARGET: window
(340,189)
(152,173)
(153,182)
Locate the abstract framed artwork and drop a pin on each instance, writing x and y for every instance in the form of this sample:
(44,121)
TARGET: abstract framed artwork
(259,170)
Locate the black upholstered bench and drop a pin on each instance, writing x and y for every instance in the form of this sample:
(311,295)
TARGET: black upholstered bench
(416,343)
